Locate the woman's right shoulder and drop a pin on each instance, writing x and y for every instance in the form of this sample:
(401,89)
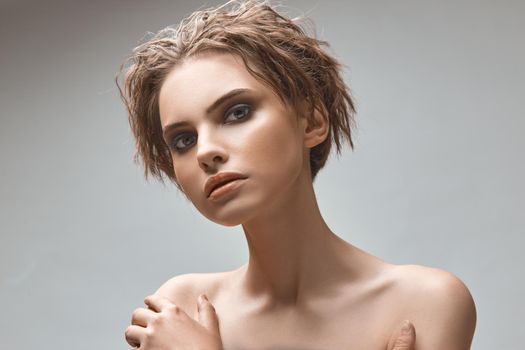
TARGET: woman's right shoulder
(183,290)
(177,285)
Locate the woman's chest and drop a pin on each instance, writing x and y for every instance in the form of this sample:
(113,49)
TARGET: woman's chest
(330,330)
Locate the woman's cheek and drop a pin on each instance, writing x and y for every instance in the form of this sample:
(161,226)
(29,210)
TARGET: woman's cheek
(275,149)
(186,181)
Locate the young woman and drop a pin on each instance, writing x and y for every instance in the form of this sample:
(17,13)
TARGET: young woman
(239,108)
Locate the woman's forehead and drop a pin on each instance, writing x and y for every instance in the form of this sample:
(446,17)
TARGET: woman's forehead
(208,70)
(200,80)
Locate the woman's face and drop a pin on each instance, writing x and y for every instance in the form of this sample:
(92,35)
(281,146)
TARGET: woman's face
(218,118)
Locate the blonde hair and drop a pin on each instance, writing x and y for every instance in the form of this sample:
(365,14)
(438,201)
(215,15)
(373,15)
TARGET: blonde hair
(276,50)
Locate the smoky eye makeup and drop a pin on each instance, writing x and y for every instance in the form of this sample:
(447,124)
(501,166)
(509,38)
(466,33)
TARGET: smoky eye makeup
(182,141)
(234,113)
(237,112)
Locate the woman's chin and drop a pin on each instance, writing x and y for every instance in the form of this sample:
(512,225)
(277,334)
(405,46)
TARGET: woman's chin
(230,215)
(225,220)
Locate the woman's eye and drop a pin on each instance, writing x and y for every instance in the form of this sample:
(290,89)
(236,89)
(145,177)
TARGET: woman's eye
(238,112)
(183,141)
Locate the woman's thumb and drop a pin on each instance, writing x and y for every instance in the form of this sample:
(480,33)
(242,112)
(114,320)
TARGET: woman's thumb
(207,315)
(406,339)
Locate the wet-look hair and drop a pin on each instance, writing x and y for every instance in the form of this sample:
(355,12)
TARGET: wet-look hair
(276,50)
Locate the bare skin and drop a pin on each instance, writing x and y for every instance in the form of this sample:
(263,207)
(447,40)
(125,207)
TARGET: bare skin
(164,325)
(303,287)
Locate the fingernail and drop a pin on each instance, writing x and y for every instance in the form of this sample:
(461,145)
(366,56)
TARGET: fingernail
(202,298)
(405,329)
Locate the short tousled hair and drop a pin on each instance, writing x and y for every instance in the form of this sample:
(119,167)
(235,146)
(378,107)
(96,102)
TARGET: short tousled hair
(276,50)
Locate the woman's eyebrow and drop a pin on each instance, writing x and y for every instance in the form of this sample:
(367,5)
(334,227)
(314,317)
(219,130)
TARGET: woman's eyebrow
(224,98)
(218,102)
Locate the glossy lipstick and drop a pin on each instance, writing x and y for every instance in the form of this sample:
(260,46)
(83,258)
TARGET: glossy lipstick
(222,183)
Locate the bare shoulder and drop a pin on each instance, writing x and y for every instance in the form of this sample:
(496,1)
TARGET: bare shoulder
(439,304)
(183,290)
(437,284)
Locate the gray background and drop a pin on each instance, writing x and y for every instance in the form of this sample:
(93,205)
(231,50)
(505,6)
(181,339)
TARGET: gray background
(436,178)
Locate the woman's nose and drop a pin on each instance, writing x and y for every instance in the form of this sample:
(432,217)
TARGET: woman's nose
(210,152)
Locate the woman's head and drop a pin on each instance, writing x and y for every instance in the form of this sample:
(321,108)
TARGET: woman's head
(275,50)
(218,120)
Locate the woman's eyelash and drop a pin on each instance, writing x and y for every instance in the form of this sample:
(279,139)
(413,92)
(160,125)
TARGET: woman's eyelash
(244,108)
(184,140)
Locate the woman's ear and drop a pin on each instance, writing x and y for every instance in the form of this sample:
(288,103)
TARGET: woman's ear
(316,128)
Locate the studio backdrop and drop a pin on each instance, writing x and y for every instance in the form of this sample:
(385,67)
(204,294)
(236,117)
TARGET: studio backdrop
(436,177)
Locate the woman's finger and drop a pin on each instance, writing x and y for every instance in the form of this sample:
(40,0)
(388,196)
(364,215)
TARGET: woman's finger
(157,303)
(406,337)
(141,316)
(207,315)
(134,335)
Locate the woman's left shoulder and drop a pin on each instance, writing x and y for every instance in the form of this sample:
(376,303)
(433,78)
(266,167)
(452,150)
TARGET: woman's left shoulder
(440,305)
(432,280)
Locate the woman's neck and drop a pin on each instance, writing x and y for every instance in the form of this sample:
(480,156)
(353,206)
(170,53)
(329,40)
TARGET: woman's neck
(293,253)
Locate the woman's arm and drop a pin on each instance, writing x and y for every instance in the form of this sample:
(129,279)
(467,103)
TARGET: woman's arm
(166,324)
(444,313)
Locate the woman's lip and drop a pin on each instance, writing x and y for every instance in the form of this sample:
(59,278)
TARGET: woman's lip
(219,179)
(225,188)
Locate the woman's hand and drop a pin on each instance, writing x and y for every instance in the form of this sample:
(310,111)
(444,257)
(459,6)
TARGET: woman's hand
(165,326)
(404,338)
